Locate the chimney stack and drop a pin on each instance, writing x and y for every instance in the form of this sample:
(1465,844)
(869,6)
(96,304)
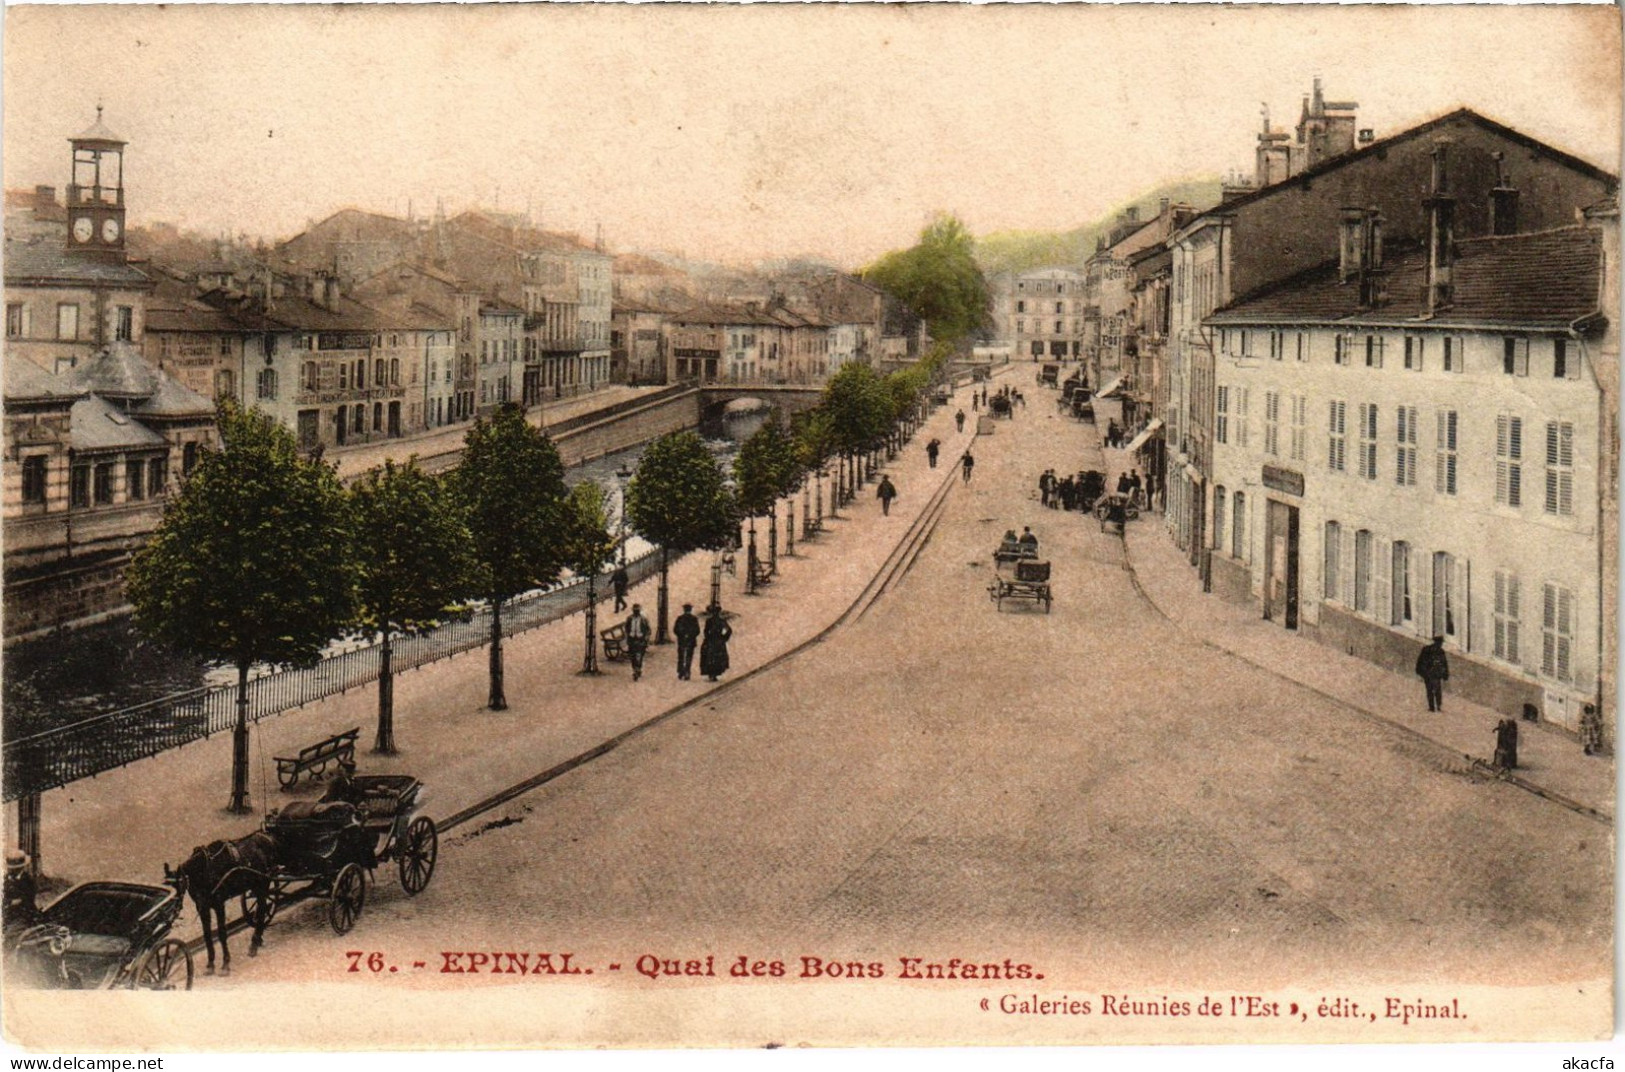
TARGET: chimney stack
(1441,208)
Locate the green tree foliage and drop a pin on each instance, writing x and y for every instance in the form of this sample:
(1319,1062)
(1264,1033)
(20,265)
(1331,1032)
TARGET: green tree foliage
(756,472)
(252,563)
(511,486)
(679,501)
(591,547)
(938,278)
(413,552)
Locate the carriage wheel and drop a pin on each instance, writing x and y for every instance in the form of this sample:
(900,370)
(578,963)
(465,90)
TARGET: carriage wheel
(1046,600)
(1130,511)
(1100,512)
(255,906)
(418,855)
(166,966)
(349,894)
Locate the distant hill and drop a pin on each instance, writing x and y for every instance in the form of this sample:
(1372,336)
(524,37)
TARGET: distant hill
(1021,251)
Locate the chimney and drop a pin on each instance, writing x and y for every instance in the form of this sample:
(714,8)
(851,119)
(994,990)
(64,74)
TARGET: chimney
(1441,209)
(1162,207)
(1503,203)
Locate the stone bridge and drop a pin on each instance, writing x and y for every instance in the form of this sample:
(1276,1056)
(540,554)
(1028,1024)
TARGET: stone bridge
(789,398)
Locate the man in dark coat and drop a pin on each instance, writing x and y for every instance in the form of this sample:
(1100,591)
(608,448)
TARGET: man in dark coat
(637,639)
(931,450)
(687,631)
(886,492)
(714,648)
(966,464)
(20,908)
(1434,670)
(959,421)
(617,581)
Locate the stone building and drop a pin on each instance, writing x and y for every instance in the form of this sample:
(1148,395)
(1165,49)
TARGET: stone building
(1041,313)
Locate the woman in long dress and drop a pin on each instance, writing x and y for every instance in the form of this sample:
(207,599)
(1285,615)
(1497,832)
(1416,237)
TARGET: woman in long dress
(714,647)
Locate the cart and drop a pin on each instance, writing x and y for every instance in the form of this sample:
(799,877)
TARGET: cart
(1030,583)
(330,849)
(103,936)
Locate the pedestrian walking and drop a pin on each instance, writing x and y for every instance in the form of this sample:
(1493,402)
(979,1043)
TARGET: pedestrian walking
(1046,484)
(931,450)
(617,581)
(1134,485)
(20,892)
(886,492)
(966,464)
(1123,484)
(687,631)
(1506,744)
(959,420)
(975,403)
(1434,670)
(637,640)
(714,648)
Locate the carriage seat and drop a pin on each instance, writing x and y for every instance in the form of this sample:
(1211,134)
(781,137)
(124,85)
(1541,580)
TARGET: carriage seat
(97,945)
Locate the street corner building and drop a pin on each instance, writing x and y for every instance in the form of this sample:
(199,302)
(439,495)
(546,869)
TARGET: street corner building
(1391,406)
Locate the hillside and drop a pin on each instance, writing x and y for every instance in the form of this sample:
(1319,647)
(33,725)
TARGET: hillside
(1021,251)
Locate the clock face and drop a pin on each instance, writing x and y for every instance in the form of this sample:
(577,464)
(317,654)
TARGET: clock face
(109,230)
(83,228)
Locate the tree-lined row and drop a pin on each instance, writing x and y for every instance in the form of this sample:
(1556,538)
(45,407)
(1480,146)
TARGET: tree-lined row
(266,558)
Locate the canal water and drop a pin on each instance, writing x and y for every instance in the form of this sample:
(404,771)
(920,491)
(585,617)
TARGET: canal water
(61,679)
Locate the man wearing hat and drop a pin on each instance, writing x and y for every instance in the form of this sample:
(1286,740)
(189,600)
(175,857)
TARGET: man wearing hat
(20,891)
(637,639)
(1434,670)
(687,631)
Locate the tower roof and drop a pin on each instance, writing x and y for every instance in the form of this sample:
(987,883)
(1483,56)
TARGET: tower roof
(98,132)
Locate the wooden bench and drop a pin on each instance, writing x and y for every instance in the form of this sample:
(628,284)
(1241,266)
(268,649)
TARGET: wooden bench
(339,748)
(614,639)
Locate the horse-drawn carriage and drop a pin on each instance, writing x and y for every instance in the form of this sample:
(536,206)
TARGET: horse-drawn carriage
(102,936)
(1114,510)
(1048,375)
(328,849)
(1030,582)
(999,405)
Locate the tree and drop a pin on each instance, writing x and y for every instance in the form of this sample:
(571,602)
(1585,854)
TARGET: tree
(252,563)
(813,444)
(679,501)
(590,549)
(414,560)
(938,278)
(859,413)
(511,486)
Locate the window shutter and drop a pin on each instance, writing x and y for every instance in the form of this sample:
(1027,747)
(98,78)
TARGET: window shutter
(1461,603)
(1548,630)
(1421,572)
(1348,568)
(1382,602)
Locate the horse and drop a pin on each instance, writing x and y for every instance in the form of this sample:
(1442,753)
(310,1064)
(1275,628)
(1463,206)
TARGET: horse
(219,871)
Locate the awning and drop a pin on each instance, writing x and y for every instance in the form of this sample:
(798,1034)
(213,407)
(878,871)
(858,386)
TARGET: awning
(1106,391)
(1145,433)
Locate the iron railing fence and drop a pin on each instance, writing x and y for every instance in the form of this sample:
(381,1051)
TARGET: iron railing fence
(90,746)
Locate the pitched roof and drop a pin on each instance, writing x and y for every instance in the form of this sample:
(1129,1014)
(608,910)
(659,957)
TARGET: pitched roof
(98,424)
(117,371)
(44,261)
(173,399)
(27,382)
(1549,279)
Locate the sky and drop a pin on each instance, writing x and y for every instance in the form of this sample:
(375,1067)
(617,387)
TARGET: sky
(739,133)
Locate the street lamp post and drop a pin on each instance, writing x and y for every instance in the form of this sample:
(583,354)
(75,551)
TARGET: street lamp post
(624,476)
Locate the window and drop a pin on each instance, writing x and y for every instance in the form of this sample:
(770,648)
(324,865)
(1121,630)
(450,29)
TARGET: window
(1272,423)
(378,373)
(1455,357)
(1402,609)
(16,320)
(1506,616)
(1219,502)
(1300,412)
(1238,526)
(265,384)
(225,346)
(358,418)
(79,485)
(134,486)
(1444,459)
(1021,327)
(1337,426)
(34,479)
(1340,350)
(1559,468)
(67,321)
(1368,440)
(378,416)
(1058,308)
(1362,571)
(188,460)
(1515,356)
(1277,345)
(1509,460)
(1057,327)
(395,371)
(344,375)
(1243,425)
(104,483)
(158,477)
(124,323)
(1221,425)
(1444,595)
(1021,306)
(1415,348)
(1405,456)
(1332,549)
(1557,632)
(1373,351)
(310,377)
(1303,347)
(1562,367)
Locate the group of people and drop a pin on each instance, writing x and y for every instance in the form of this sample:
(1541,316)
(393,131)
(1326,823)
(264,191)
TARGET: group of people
(713,648)
(1006,398)
(1025,545)
(1070,492)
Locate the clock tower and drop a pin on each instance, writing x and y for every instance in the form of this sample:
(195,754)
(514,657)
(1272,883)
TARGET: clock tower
(96,193)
